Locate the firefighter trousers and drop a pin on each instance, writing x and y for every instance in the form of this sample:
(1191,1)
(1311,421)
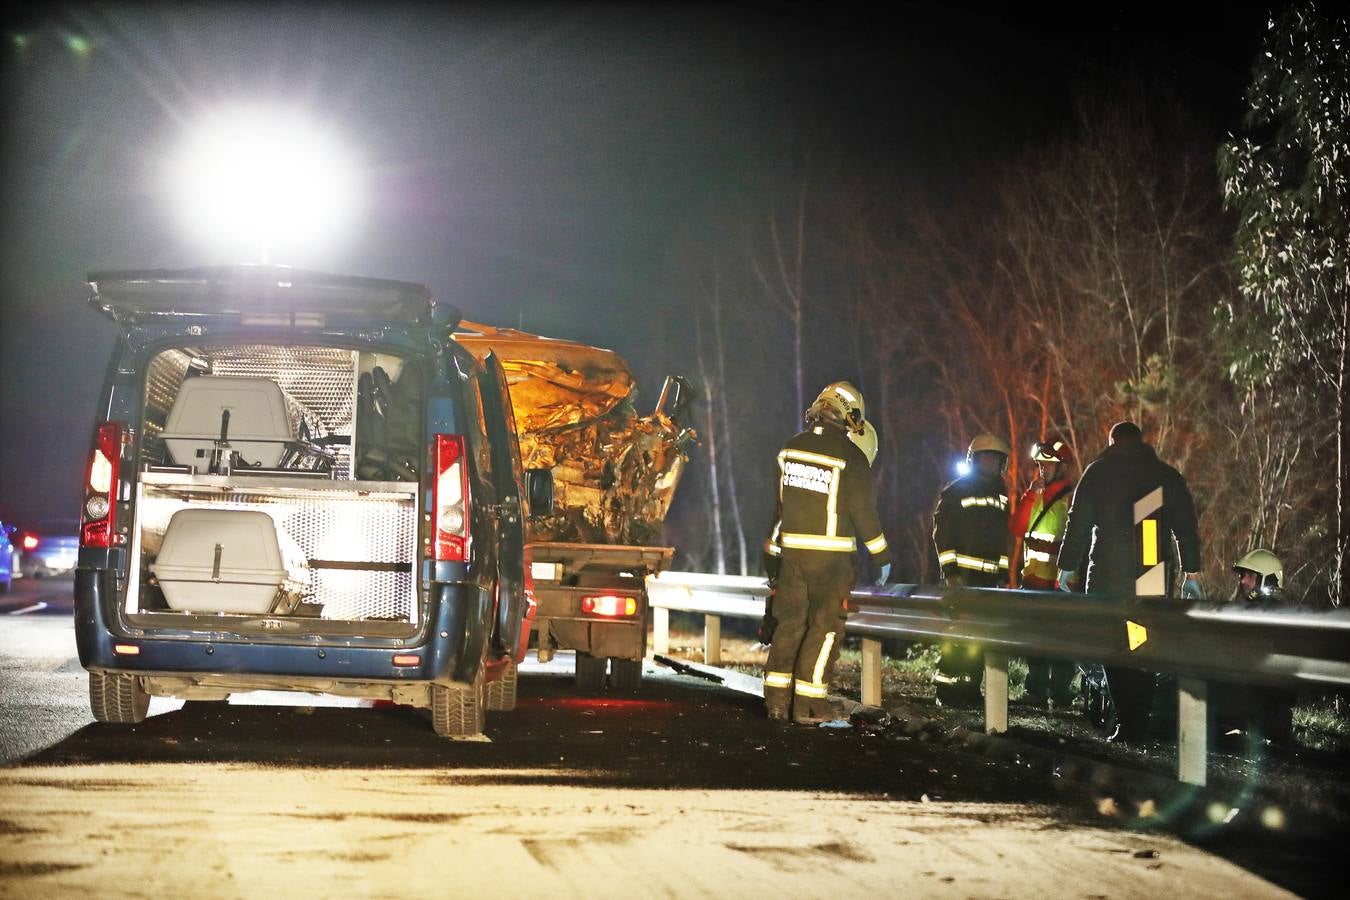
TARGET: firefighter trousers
(810,603)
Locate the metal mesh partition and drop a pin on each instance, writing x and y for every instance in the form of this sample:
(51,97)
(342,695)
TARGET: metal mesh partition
(377,525)
(321,379)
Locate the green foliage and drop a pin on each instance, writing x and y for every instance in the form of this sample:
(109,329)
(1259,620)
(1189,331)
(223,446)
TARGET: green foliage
(1288,179)
(1155,386)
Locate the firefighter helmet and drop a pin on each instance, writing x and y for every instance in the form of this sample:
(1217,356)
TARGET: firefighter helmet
(1266,565)
(1051,450)
(866,441)
(990,442)
(839,402)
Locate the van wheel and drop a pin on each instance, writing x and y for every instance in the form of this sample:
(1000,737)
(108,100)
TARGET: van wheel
(458,710)
(501,694)
(117,698)
(625,675)
(590,672)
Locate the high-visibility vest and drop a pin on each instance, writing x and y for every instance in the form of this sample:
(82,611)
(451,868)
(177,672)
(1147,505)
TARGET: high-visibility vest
(1045,533)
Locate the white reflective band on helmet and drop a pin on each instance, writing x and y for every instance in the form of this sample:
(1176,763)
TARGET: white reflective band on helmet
(807,689)
(796,541)
(999,502)
(876,544)
(777,679)
(819,459)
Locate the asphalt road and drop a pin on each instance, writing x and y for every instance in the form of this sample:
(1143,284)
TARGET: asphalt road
(684,790)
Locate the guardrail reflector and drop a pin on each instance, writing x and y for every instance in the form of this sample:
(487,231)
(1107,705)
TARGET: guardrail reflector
(1135,634)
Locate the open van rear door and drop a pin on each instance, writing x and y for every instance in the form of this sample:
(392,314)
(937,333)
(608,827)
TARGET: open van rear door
(510,477)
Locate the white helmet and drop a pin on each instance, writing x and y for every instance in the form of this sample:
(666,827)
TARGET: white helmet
(866,440)
(1266,565)
(990,442)
(839,402)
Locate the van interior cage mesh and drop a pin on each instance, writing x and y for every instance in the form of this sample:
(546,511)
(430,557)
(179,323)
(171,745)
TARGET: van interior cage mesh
(327,524)
(322,379)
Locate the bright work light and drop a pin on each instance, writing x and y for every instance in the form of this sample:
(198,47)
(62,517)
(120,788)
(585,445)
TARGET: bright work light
(263,185)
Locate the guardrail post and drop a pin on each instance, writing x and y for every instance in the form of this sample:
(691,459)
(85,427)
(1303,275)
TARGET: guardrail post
(712,640)
(995,693)
(871,672)
(660,630)
(1192,730)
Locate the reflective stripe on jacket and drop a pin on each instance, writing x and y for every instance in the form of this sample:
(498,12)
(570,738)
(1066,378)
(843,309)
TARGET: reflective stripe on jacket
(826,500)
(970,527)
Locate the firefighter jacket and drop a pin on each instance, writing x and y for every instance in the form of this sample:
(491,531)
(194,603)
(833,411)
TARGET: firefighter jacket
(825,499)
(1102,518)
(970,529)
(1041,529)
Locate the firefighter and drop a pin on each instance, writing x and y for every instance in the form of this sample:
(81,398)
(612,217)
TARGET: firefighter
(1256,711)
(1042,513)
(1101,527)
(970,531)
(1260,579)
(826,505)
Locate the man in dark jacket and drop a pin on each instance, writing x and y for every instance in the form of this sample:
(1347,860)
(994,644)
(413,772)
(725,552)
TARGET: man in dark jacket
(826,507)
(970,533)
(1117,492)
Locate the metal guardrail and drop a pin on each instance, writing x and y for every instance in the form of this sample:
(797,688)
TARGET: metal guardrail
(1198,644)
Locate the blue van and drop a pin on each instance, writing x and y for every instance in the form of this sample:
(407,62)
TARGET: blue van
(300,482)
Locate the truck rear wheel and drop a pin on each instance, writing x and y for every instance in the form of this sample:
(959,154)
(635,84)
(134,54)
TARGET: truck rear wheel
(590,672)
(625,675)
(459,710)
(501,694)
(117,698)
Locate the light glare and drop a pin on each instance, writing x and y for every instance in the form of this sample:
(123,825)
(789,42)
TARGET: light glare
(264,186)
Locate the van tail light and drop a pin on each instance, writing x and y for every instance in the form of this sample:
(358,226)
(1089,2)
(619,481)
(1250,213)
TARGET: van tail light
(450,497)
(613,605)
(100,490)
(30,542)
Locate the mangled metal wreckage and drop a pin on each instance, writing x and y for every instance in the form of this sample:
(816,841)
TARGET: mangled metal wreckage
(614,475)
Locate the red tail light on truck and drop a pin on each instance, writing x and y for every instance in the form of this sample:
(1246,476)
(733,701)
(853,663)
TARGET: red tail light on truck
(611,605)
(100,497)
(451,500)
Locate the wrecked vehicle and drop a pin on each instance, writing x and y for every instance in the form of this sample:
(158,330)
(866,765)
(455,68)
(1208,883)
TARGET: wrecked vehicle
(300,482)
(614,475)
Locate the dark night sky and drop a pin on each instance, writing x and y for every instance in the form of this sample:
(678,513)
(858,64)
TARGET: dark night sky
(532,163)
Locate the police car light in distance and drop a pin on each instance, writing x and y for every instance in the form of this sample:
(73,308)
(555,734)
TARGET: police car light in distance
(250,182)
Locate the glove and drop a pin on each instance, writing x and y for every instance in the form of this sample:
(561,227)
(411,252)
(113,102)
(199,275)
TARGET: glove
(1191,589)
(884,574)
(1066,576)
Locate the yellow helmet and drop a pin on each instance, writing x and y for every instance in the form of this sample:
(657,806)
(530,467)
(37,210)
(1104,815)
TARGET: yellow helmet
(866,441)
(1265,564)
(991,442)
(839,402)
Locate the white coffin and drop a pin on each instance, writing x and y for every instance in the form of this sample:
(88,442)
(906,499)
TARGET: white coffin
(228,561)
(262,419)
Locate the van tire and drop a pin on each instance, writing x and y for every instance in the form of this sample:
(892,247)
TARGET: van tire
(458,710)
(590,672)
(117,698)
(501,694)
(625,675)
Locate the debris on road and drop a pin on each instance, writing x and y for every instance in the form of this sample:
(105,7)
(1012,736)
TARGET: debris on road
(685,669)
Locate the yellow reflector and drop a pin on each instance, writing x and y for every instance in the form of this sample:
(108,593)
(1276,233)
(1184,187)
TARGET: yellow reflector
(1150,542)
(1136,634)
(126,649)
